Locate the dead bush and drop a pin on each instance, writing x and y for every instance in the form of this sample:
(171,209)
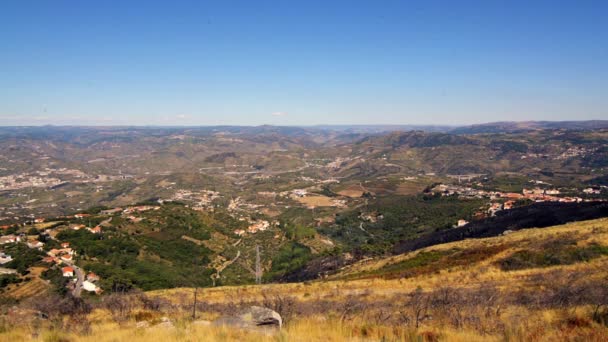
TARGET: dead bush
(350,307)
(120,306)
(417,306)
(283,305)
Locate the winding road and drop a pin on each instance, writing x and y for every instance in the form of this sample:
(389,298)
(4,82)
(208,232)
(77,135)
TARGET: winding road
(79,279)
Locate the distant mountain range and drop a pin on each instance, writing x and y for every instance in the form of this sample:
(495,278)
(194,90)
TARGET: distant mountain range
(523,126)
(491,127)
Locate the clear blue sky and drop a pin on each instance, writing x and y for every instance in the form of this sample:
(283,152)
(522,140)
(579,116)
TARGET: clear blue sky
(301,63)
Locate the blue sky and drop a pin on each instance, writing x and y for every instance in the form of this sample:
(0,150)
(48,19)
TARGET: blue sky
(301,62)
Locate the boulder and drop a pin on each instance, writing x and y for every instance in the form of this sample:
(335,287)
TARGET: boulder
(165,322)
(254,317)
(142,324)
(202,322)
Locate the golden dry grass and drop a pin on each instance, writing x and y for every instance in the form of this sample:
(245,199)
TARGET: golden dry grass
(540,326)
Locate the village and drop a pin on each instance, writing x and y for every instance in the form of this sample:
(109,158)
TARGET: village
(535,194)
(64,257)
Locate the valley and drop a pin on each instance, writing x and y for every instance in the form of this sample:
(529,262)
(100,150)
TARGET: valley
(314,218)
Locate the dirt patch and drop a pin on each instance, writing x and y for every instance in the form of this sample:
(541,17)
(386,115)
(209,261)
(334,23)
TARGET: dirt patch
(353,191)
(409,188)
(270,212)
(317,201)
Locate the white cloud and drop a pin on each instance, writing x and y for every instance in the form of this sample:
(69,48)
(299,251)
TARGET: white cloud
(279,114)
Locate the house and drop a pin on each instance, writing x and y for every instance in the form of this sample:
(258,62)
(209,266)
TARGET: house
(53,252)
(299,192)
(134,219)
(88,286)
(92,277)
(81,216)
(96,230)
(66,257)
(78,226)
(59,252)
(50,260)
(496,206)
(65,244)
(140,208)
(9,239)
(111,211)
(508,205)
(67,250)
(591,191)
(67,271)
(239,232)
(4,258)
(39,220)
(35,244)
(462,223)
(260,225)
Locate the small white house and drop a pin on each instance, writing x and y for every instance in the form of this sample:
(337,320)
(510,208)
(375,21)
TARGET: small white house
(88,286)
(35,244)
(4,258)
(462,223)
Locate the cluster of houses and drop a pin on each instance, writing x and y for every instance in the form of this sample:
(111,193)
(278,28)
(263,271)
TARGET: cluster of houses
(127,212)
(94,230)
(20,181)
(58,256)
(203,199)
(535,194)
(539,195)
(254,227)
(65,255)
(372,217)
(10,238)
(89,284)
(497,206)
(592,191)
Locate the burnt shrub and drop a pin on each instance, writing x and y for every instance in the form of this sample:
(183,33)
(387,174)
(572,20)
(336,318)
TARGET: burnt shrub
(283,305)
(551,256)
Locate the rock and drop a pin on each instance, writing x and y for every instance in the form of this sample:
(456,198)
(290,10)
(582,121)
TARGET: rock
(165,325)
(202,322)
(254,317)
(142,324)
(165,322)
(263,316)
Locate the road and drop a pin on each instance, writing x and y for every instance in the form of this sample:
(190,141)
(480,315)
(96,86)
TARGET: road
(79,279)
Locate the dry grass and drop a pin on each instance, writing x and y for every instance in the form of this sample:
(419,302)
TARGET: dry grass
(540,326)
(352,191)
(410,187)
(317,201)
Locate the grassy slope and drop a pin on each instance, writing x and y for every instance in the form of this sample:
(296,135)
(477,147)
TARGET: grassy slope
(370,284)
